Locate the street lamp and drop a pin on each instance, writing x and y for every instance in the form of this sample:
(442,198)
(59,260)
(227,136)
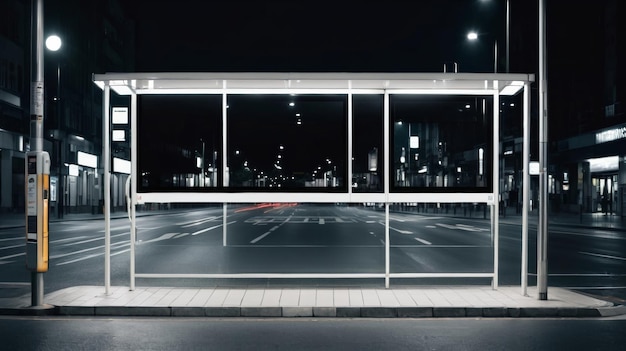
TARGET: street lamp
(54,43)
(473,36)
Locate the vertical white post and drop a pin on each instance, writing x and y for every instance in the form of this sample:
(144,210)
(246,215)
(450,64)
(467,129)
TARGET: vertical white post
(133,186)
(496,184)
(542,228)
(106,157)
(350,152)
(386,185)
(225,176)
(525,188)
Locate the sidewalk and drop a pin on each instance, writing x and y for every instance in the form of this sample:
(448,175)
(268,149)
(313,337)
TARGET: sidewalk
(403,302)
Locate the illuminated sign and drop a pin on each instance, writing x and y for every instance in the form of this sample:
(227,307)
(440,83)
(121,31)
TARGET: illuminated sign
(88,160)
(120,115)
(610,135)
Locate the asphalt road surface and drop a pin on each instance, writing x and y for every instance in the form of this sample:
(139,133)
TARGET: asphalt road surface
(309,238)
(57,333)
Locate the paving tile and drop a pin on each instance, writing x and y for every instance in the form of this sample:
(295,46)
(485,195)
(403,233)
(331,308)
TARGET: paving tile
(387,298)
(169,297)
(324,298)
(201,298)
(404,298)
(271,297)
(307,298)
(356,298)
(217,298)
(370,298)
(420,298)
(290,298)
(234,297)
(252,298)
(185,297)
(341,297)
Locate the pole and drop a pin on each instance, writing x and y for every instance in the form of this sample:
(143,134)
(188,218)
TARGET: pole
(526,188)
(36,116)
(508,34)
(107,188)
(542,229)
(495,56)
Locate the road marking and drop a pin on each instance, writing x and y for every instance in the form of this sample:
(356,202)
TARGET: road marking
(202,221)
(425,242)
(90,256)
(603,256)
(162,237)
(198,220)
(210,228)
(322,221)
(13,246)
(431,226)
(14,238)
(94,239)
(382,241)
(11,256)
(370,222)
(255,240)
(181,235)
(117,244)
(396,229)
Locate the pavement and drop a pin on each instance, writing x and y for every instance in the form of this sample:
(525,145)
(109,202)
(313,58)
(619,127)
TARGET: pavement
(258,301)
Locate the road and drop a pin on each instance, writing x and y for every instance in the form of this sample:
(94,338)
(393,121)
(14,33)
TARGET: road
(58,333)
(308,238)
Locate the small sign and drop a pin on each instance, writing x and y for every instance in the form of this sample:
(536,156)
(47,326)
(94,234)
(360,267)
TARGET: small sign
(120,115)
(31,195)
(533,168)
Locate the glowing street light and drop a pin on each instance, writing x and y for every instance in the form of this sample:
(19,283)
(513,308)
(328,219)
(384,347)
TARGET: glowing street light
(53,43)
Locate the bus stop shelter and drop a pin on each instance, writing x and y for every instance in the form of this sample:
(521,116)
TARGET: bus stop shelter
(491,85)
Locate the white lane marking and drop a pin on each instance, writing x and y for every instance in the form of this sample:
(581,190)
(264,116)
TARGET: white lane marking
(397,219)
(202,221)
(11,256)
(210,228)
(431,226)
(382,241)
(397,230)
(255,240)
(13,246)
(467,228)
(425,242)
(94,239)
(162,237)
(603,256)
(198,220)
(370,222)
(13,238)
(181,235)
(322,221)
(90,256)
(88,249)
(339,220)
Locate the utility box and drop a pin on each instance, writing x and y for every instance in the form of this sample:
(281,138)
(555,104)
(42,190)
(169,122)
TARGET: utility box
(37,198)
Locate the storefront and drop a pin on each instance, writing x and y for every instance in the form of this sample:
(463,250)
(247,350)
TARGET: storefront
(589,172)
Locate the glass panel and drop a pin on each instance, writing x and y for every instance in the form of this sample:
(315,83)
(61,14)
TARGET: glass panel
(367,143)
(440,238)
(287,143)
(178,140)
(264,238)
(441,143)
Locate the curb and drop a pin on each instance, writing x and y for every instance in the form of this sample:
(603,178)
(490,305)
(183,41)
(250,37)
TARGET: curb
(331,312)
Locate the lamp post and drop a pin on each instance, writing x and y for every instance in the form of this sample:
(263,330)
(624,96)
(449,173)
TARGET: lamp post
(53,44)
(473,36)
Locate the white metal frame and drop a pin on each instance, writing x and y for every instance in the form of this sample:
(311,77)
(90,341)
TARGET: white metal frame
(386,84)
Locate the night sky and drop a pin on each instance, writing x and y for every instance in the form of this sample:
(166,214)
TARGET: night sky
(190,35)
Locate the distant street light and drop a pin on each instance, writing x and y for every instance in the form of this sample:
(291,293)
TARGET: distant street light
(53,43)
(473,36)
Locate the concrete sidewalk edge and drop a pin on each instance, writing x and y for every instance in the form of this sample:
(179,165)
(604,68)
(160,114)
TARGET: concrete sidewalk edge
(338,312)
